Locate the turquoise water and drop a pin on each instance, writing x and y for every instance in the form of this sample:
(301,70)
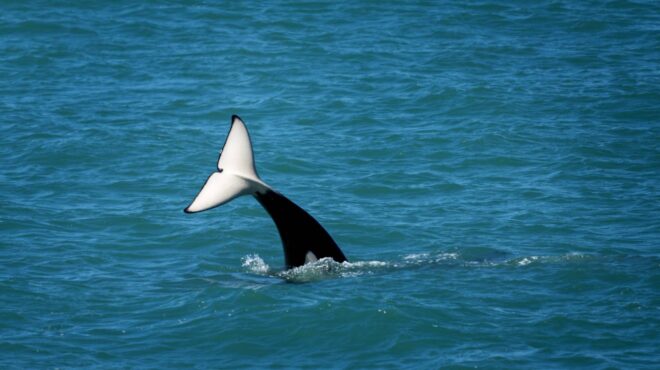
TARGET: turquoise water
(489,169)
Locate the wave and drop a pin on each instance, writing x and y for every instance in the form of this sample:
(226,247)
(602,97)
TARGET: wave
(324,268)
(327,268)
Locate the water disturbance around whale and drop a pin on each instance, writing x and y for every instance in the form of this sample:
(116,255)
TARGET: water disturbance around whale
(303,238)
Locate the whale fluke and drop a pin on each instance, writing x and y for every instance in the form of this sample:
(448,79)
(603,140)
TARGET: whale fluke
(303,238)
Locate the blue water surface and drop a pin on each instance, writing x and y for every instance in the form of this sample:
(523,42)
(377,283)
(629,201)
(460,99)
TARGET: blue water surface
(490,169)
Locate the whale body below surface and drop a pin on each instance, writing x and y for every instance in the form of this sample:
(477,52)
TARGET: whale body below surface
(303,238)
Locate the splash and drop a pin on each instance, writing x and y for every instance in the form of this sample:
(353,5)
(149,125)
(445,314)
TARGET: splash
(253,263)
(327,268)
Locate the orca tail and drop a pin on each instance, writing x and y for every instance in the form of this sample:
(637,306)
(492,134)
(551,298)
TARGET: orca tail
(303,238)
(236,174)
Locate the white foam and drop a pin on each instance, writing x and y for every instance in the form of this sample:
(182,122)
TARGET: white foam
(416,256)
(327,268)
(255,264)
(361,264)
(316,270)
(446,256)
(526,260)
(568,257)
(426,257)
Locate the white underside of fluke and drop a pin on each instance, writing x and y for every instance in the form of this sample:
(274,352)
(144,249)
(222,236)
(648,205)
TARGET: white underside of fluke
(236,173)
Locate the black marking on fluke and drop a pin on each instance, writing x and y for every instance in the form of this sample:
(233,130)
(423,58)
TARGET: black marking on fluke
(303,238)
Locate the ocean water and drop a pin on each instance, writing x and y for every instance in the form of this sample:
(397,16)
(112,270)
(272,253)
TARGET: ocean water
(490,169)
